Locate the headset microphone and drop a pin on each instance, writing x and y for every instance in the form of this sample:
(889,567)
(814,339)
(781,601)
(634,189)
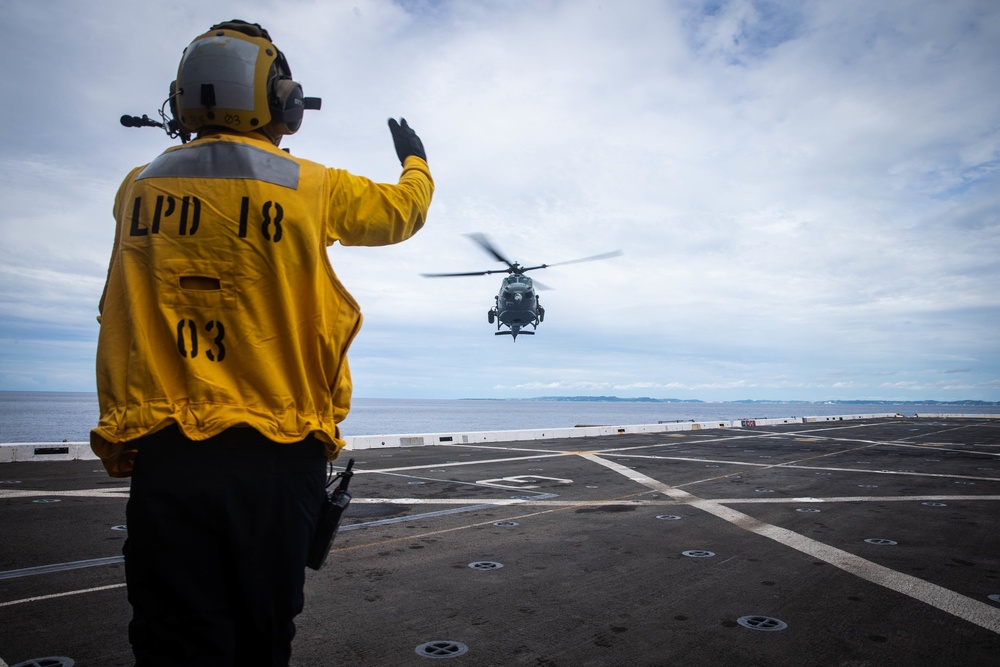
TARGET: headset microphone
(136,121)
(169,125)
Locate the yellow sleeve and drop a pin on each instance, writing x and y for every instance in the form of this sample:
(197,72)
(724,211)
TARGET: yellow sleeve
(364,213)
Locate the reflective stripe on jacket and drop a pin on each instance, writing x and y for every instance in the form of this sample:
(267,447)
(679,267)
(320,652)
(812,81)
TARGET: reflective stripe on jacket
(221,309)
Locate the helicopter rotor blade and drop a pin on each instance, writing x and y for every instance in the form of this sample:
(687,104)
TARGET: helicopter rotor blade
(470,273)
(487,245)
(606,255)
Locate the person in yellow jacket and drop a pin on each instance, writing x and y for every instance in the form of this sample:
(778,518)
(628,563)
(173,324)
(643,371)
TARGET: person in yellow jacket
(222,372)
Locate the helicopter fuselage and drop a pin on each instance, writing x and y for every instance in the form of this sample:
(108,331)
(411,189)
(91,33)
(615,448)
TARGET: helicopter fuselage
(516,306)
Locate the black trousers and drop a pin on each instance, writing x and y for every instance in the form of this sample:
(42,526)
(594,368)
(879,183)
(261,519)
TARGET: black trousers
(218,534)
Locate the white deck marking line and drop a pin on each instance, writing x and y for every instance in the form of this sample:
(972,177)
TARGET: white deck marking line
(59,595)
(889,472)
(405,538)
(548,455)
(941,448)
(946,600)
(779,465)
(76,493)
(690,460)
(900,442)
(851,499)
(497,447)
(61,567)
(455,481)
(506,502)
(944,430)
(417,517)
(794,466)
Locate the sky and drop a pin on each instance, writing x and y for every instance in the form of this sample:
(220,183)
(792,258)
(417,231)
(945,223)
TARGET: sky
(806,194)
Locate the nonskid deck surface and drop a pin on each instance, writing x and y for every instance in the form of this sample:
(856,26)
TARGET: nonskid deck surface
(843,543)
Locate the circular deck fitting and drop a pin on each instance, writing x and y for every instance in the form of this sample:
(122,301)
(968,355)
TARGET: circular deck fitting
(442,649)
(485,565)
(59,661)
(808,509)
(698,553)
(935,504)
(119,527)
(668,517)
(506,524)
(47,500)
(765,623)
(880,541)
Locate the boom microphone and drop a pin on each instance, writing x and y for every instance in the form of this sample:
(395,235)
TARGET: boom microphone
(136,121)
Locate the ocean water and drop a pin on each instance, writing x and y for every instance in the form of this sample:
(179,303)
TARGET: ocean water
(396,416)
(47,416)
(68,416)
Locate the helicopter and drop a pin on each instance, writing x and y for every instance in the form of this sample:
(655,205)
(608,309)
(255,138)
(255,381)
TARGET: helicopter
(516,304)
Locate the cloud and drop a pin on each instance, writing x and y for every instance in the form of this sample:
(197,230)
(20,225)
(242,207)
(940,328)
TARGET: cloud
(806,194)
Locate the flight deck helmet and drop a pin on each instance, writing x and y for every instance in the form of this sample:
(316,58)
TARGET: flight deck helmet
(233,76)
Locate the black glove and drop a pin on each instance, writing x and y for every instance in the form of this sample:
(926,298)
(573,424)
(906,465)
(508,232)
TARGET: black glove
(406,140)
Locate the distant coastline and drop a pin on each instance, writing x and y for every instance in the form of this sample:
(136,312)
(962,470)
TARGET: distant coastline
(746,401)
(10,393)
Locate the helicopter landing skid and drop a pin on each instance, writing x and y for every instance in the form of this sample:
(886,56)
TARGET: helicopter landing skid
(511,333)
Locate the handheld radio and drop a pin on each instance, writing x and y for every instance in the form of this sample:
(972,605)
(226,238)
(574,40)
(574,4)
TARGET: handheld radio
(334,505)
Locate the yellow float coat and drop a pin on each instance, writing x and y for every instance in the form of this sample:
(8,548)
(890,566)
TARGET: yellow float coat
(221,308)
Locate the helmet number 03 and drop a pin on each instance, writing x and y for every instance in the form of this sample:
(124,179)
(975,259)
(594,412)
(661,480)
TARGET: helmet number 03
(187,339)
